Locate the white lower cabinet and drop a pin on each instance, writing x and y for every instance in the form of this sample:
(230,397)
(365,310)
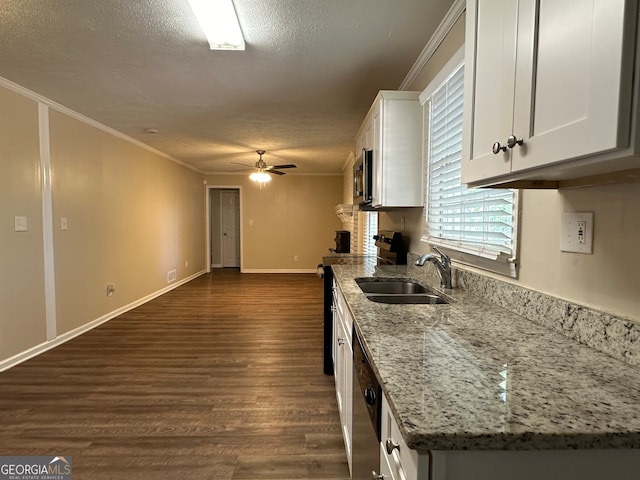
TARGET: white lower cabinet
(397,461)
(343,366)
(535,465)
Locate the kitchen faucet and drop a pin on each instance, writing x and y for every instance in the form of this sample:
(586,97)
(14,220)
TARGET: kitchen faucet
(443,265)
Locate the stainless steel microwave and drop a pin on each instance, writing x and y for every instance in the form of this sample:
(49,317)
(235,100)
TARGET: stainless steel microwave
(362,179)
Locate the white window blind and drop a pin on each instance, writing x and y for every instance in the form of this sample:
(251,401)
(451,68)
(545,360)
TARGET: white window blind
(369,229)
(476,222)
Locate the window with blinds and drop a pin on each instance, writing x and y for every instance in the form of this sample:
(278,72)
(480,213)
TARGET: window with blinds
(476,226)
(369,229)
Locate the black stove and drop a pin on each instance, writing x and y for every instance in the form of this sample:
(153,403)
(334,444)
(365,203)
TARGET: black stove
(392,251)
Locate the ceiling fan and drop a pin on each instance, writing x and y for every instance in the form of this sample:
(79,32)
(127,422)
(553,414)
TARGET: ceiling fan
(261,170)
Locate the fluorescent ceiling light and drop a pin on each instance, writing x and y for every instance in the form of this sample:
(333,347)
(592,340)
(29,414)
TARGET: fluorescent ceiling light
(219,22)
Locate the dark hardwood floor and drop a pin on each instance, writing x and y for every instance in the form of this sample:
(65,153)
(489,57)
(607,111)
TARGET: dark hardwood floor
(220,379)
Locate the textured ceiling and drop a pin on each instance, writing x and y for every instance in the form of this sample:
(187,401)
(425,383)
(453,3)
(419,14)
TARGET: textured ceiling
(300,90)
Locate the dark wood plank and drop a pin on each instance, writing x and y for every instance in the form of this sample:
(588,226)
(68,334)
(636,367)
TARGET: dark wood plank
(220,378)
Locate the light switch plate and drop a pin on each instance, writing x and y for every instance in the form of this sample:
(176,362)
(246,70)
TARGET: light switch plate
(577,232)
(21,224)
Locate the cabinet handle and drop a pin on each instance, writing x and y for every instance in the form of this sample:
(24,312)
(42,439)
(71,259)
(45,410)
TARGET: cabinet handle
(377,476)
(512,141)
(390,446)
(340,341)
(497,148)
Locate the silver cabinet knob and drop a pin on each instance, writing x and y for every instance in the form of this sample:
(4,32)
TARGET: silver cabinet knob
(512,141)
(376,476)
(390,446)
(497,148)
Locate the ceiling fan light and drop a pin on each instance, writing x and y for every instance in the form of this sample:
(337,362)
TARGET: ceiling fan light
(260,177)
(219,22)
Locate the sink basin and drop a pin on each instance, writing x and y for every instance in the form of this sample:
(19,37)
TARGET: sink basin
(397,291)
(390,286)
(407,299)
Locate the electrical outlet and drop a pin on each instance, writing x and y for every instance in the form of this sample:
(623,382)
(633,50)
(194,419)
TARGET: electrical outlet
(582,228)
(295,258)
(577,232)
(111,288)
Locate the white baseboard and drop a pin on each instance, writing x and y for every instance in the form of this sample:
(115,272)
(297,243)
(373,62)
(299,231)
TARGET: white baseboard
(65,337)
(279,270)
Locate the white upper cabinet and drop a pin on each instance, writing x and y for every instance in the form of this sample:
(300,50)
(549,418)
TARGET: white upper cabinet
(548,89)
(393,130)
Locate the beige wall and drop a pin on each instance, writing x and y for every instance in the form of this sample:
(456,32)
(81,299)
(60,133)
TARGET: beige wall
(132,216)
(22,302)
(607,280)
(292,215)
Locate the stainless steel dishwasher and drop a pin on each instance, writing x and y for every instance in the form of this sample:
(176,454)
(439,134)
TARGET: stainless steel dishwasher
(367,402)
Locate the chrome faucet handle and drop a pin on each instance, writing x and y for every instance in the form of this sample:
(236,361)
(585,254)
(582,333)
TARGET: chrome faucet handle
(444,269)
(444,256)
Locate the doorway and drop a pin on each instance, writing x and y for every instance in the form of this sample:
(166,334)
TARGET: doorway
(224,221)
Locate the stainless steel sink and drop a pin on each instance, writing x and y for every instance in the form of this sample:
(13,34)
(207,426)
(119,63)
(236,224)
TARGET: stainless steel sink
(397,291)
(428,298)
(390,286)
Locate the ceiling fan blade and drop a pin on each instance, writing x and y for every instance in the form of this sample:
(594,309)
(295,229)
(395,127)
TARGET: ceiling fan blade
(276,172)
(243,164)
(289,165)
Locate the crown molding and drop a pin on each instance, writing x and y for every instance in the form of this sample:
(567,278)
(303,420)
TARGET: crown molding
(452,16)
(36,97)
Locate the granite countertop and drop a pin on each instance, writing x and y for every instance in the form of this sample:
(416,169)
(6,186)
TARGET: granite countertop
(471,375)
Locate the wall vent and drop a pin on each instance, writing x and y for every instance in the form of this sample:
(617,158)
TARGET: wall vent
(171,276)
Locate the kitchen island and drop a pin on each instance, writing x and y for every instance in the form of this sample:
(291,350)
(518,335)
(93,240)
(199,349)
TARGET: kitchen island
(471,376)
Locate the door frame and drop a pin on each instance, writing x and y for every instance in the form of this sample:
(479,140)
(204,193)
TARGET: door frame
(209,239)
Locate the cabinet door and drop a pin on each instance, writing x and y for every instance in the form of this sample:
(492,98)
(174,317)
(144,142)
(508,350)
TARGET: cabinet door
(386,470)
(335,323)
(344,387)
(365,139)
(377,147)
(398,461)
(339,366)
(573,79)
(490,53)
(343,367)
(347,417)
(368,136)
